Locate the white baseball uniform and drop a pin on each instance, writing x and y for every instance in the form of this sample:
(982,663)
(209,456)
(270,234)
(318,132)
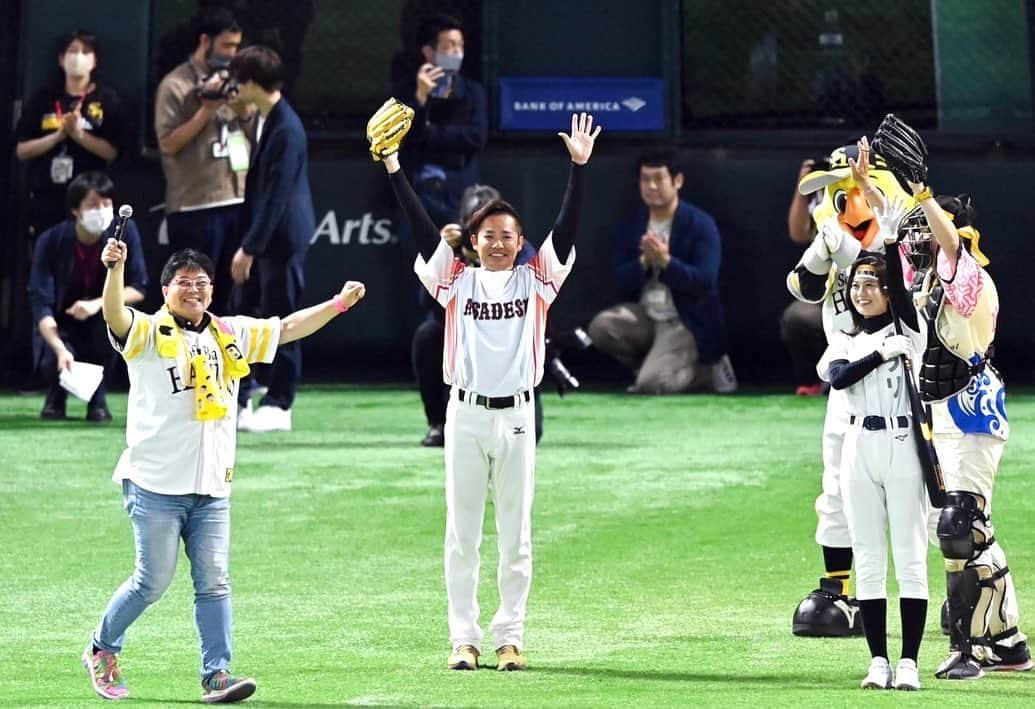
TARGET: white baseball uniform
(831,526)
(494,348)
(881,478)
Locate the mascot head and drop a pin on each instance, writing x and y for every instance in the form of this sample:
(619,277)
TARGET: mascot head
(844,199)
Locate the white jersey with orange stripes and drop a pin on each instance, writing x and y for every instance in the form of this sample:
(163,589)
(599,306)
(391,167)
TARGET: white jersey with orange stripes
(495,320)
(168,450)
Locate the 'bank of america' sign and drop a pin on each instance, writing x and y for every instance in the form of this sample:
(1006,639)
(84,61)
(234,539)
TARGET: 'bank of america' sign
(546,103)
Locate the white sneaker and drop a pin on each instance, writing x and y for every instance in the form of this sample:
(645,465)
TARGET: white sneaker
(879,676)
(724,380)
(268,418)
(907,676)
(244,416)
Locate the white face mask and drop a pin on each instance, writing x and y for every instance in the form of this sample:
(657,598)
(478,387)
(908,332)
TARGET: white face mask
(77,64)
(95,221)
(450,63)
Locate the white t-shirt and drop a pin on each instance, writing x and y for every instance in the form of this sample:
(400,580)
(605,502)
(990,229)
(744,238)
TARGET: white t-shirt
(169,451)
(495,320)
(882,392)
(656,297)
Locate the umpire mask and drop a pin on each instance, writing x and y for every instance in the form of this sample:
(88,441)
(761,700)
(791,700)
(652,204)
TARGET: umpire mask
(914,234)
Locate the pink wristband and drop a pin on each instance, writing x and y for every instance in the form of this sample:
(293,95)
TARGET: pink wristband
(339,304)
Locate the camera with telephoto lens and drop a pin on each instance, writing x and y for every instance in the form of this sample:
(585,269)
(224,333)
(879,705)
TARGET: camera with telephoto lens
(556,345)
(226,90)
(822,163)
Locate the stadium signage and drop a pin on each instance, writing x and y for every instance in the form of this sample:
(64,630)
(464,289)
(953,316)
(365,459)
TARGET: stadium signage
(364,231)
(546,103)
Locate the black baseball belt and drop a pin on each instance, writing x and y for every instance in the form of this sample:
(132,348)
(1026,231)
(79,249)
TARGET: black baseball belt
(494,402)
(879,423)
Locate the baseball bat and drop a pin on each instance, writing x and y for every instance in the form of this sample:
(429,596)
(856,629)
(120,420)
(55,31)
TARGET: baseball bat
(125,212)
(934,481)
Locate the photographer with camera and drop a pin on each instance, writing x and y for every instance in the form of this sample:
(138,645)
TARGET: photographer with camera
(203,138)
(450,123)
(801,325)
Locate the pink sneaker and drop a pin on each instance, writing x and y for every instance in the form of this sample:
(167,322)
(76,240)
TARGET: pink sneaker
(221,688)
(105,675)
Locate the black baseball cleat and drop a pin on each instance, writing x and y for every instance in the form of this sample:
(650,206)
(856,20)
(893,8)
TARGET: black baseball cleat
(959,666)
(1008,659)
(435,437)
(826,613)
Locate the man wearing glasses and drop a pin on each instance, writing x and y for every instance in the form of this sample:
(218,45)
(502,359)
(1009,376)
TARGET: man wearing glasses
(185,367)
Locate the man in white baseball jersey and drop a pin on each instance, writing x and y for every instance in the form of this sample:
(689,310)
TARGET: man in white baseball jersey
(881,479)
(185,366)
(493,359)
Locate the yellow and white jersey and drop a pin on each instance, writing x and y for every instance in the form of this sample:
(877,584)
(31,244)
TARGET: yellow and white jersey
(495,320)
(168,450)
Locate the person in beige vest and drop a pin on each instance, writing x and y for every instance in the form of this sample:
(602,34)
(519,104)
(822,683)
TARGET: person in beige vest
(203,137)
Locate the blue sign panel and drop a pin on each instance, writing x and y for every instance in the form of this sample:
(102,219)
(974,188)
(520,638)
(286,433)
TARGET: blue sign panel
(544,103)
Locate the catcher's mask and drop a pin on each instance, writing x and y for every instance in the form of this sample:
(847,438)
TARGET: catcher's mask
(914,235)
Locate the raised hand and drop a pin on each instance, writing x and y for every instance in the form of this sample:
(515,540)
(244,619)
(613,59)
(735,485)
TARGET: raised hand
(114,253)
(352,292)
(861,167)
(889,218)
(580,142)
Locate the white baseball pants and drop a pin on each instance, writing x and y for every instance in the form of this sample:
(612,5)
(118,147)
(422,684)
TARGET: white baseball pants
(486,447)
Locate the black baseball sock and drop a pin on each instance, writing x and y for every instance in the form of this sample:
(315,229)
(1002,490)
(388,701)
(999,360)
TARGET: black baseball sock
(875,623)
(914,615)
(838,563)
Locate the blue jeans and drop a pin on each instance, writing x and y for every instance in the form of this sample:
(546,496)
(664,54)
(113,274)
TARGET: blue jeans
(159,521)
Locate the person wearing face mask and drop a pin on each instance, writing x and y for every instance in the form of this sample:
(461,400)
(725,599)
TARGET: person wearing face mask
(205,145)
(65,289)
(70,127)
(450,125)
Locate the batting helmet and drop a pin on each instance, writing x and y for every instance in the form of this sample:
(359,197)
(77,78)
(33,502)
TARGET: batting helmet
(825,613)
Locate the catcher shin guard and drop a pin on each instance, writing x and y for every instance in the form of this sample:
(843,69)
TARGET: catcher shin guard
(387,128)
(826,613)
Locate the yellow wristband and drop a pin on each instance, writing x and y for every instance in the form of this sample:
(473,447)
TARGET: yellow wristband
(923,194)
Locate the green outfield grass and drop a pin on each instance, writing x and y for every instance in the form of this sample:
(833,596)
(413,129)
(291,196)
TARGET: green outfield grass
(673,539)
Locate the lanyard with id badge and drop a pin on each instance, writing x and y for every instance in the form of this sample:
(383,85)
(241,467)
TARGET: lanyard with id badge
(232,145)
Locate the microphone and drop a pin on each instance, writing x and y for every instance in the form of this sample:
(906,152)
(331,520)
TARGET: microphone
(125,212)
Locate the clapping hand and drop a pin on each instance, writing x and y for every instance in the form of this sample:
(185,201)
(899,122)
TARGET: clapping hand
(580,142)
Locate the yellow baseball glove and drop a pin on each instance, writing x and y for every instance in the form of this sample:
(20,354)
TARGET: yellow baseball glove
(387,128)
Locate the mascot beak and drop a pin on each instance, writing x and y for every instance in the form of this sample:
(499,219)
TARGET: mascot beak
(857,218)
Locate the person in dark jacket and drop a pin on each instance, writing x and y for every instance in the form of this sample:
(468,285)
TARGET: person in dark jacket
(278,223)
(65,289)
(671,331)
(450,122)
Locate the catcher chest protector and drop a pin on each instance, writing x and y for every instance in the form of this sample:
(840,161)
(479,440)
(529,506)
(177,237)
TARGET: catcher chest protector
(825,613)
(942,373)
